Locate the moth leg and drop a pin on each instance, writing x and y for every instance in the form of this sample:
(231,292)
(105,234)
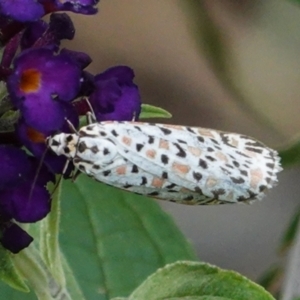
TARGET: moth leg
(75,175)
(71,126)
(91,117)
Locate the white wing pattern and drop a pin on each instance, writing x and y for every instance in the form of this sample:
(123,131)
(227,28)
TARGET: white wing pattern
(187,165)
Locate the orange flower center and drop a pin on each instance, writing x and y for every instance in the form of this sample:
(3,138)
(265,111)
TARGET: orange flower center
(35,136)
(30,81)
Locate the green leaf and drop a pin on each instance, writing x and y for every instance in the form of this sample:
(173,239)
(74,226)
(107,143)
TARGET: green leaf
(49,230)
(71,283)
(291,155)
(114,239)
(290,233)
(192,279)
(186,298)
(150,111)
(8,293)
(8,272)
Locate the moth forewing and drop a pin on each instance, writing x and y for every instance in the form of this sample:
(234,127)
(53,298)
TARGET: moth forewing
(183,164)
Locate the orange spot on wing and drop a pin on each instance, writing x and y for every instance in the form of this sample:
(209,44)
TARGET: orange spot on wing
(157,182)
(30,81)
(163,144)
(234,142)
(151,153)
(195,151)
(121,170)
(256,177)
(180,168)
(211,181)
(126,140)
(221,156)
(205,132)
(173,126)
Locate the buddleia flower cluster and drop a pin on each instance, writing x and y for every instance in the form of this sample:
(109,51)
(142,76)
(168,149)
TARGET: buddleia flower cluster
(43,87)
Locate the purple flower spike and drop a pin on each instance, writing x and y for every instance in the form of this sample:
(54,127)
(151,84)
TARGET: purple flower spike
(86,7)
(15,166)
(15,238)
(22,10)
(41,84)
(116,96)
(26,203)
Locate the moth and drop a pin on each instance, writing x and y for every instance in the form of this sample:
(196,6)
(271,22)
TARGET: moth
(188,165)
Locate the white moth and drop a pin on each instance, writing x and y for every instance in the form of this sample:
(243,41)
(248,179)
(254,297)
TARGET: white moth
(187,165)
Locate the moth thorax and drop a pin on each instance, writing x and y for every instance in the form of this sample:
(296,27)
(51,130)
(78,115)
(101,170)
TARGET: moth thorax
(63,144)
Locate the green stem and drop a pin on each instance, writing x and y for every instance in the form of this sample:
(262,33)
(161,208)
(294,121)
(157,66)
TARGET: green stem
(31,266)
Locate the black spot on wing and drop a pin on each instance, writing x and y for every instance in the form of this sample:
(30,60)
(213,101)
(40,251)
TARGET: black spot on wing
(164,159)
(235,163)
(114,133)
(181,141)
(164,175)
(151,139)
(252,149)
(54,143)
(210,158)
(102,133)
(106,173)
(238,180)
(171,186)
(153,194)
(69,138)
(81,147)
(270,165)
(181,152)
(127,186)
(197,175)
(95,149)
(106,151)
(67,150)
(200,139)
(203,163)
(144,180)
(165,131)
(190,130)
(139,147)
(134,169)
(188,198)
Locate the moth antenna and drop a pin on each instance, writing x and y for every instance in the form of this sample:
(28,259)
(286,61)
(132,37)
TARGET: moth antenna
(91,116)
(37,172)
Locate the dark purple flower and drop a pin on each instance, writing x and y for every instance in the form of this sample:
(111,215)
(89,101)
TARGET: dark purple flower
(22,10)
(116,97)
(86,7)
(40,34)
(41,84)
(14,238)
(33,10)
(23,195)
(34,140)
(21,198)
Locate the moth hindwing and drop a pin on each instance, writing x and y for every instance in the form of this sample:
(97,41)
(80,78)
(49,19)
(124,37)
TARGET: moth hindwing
(187,165)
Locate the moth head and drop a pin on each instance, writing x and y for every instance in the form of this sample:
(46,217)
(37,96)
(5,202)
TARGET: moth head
(63,144)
